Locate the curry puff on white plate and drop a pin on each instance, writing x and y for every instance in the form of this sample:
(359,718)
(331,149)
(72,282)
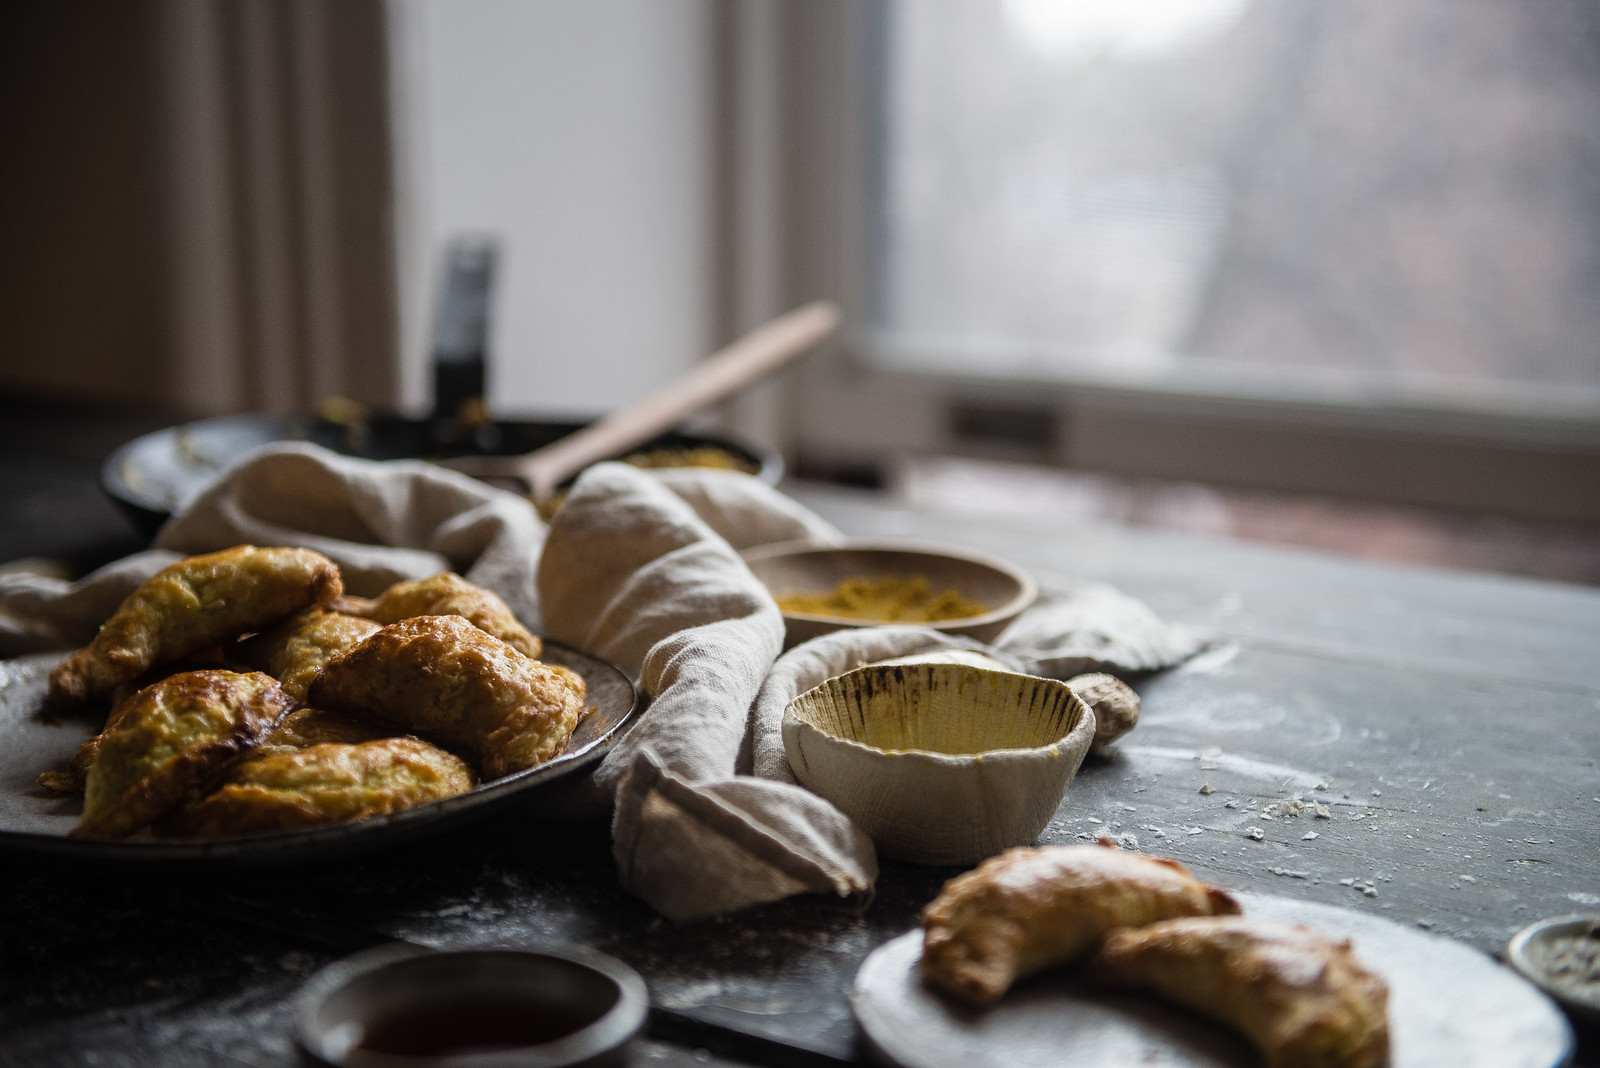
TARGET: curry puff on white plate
(244,694)
(1143,923)
(1302,999)
(1029,909)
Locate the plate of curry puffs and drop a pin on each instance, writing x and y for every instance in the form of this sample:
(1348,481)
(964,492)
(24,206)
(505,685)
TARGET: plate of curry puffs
(1096,957)
(241,705)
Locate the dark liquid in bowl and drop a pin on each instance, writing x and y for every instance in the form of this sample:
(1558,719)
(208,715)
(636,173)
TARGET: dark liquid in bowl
(476,1026)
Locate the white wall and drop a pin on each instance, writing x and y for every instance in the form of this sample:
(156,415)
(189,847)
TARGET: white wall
(578,132)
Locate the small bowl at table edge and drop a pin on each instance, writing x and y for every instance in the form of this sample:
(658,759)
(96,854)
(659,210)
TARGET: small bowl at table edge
(598,1040)
(1522,959)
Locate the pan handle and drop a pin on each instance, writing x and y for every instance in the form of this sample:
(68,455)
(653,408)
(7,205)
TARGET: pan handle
(461,342)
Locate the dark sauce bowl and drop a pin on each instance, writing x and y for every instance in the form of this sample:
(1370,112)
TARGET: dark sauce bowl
(153,477)
(404,1006)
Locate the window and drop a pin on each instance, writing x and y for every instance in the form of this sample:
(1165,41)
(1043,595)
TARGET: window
(1351,247)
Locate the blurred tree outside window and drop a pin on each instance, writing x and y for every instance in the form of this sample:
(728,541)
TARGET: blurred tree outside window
(1371,197)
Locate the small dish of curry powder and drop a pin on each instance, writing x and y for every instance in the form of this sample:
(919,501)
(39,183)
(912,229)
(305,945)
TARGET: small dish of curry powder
(885,599)
(826,586)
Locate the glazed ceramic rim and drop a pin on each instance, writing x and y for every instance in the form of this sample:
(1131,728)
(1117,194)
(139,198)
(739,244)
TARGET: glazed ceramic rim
(1520,956)
(1027,587)
(931,755)
(608,1032)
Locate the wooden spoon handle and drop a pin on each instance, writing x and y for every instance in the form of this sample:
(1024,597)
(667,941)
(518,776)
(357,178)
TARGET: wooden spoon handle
(717,377)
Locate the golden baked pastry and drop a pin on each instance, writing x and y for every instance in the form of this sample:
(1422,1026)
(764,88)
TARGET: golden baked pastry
(76,775)
(446,680)
(172,738)
(330,782)
(306,727)
(191,605)
(296,649)
(349,604)
(574,680)
(1302,999)
(1029,909)
(448,594)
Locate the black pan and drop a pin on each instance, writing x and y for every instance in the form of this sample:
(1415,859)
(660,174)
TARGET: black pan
(154,476)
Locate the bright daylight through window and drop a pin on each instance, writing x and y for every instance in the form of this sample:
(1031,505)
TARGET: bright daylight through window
(1351,201)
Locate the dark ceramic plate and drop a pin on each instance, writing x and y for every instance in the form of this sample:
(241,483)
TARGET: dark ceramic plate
(33,820)
(154,476)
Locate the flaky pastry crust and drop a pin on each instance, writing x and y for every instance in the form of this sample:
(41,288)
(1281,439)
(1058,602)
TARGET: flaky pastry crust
(448,594)
(1029,909)
(444,679)
(1303,999)
(191,605)
(330,782)
(76,775)
(306,727)
(171,739)
(296,649)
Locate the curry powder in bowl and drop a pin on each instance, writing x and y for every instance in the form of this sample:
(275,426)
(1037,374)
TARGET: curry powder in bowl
(823,588)
(885,599)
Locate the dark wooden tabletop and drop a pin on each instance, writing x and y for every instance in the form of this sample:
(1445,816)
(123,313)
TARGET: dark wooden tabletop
(1448,722)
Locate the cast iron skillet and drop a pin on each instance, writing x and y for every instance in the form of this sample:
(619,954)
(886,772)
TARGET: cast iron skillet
(154,476)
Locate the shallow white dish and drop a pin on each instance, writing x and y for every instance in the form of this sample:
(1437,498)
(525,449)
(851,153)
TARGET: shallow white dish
(1449,1007)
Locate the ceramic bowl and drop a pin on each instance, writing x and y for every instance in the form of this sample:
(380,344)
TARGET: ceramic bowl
(405,1006)
(939,763)
(809,567)
(1557,955)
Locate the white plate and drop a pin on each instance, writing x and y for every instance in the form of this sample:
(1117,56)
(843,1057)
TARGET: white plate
(1449,1007)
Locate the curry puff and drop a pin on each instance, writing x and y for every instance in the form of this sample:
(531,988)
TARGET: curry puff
(444,679)
(195,603)
(1029,909)
(172,739)
(1302,999)
(76,777)
(448,594)
(306,727)
(330,782)
(296,649)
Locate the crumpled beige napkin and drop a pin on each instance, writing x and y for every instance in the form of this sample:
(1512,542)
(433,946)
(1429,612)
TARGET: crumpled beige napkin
(380,523)
(641,569)
(632,573)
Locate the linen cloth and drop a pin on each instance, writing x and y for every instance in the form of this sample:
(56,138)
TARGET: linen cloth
(641,569)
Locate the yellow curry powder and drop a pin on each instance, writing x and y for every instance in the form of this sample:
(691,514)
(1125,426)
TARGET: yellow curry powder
(885,599)
(692,456)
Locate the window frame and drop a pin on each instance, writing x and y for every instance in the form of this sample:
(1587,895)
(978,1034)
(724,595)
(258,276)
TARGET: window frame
(848,409)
